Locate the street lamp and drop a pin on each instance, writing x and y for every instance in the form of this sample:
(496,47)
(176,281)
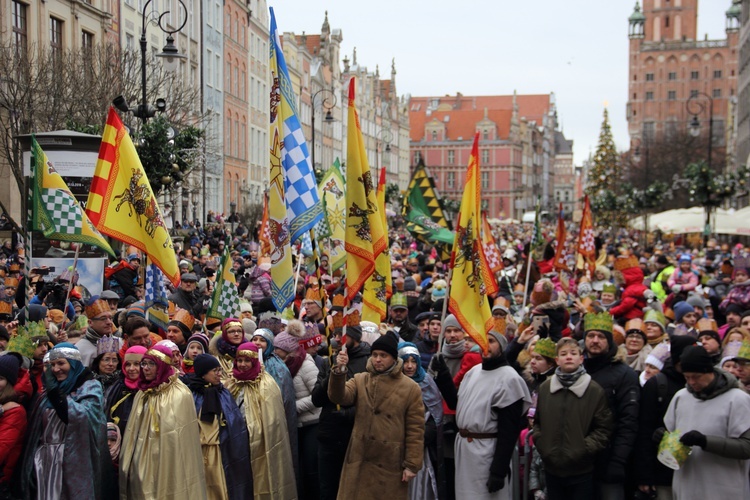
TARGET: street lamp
(384,137)
(696,107)
(327,102)
(170,55)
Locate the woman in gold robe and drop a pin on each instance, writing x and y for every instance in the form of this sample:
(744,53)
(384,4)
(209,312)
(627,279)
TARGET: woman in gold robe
(259,398)
(161,450)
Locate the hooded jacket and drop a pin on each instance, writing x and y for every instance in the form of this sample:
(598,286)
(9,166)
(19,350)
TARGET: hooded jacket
(632,300)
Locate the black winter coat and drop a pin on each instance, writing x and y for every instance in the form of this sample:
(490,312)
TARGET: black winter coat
(620,383)
(648,470)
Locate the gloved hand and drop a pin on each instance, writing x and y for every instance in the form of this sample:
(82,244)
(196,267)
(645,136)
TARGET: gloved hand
(676,288)
(543,331)
(694,438)
(495,483)
(437,364)
(658,434)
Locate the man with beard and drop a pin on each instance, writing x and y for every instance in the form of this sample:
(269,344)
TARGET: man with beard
(336,422)
(399,319)
(186,297)
(386,448)
(491,400)
(100,325)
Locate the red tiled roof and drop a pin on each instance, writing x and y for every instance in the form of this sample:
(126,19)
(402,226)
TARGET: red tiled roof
(465,111)
(385,88)
(312,43)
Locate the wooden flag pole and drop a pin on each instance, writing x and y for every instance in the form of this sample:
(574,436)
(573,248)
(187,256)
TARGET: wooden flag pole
(70,286)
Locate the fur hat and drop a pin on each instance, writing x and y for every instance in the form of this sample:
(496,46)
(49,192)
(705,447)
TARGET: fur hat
(542,292)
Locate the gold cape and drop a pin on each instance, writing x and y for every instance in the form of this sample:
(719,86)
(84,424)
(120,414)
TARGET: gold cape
(261,404)
(161,451)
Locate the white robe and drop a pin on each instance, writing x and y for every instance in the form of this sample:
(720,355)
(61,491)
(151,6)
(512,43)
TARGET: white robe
(480,392)
(704,474)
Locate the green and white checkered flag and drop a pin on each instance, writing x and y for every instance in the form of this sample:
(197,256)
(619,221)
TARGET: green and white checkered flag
(225,301)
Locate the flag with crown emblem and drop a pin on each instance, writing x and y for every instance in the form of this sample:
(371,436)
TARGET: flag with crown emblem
(333,194)
(379,287)
(365,238)
(468,299)
(586,238)
(225,300)
(55,211)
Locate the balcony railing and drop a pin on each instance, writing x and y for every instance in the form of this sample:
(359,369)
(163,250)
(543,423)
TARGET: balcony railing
(704,44)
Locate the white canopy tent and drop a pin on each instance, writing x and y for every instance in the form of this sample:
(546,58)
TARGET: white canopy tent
(692,220)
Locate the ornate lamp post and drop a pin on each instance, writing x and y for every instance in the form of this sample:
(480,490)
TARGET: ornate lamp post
(696,106)
(384,137)
(328,102)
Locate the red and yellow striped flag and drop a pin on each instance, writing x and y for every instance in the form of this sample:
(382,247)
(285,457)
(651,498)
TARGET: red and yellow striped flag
(365,238)
(379,286)
(468,299)
(264,233)
(121,203)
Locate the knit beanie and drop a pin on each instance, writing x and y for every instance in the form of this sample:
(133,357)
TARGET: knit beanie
(286,342)
(658,355)
(4,335)
(387,343)
(199,338)
(204,363)
(450,320)
(695,359)
(9,366)
(681,309)
(677,344)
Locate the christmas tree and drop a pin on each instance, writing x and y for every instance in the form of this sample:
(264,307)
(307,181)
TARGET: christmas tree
(605,180)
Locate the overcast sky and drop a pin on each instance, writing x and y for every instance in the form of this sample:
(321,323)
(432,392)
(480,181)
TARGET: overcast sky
(575,48)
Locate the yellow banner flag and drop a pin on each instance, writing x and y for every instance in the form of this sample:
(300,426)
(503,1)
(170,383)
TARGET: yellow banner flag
(379,287)
(365,238)
(121,203)
(468,299)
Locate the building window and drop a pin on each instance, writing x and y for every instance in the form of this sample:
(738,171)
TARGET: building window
(451,180)
(693,93)
(19,26)
(672,75)
(717,73)
(671,95)
(417,157)
(485,156)
(129,41)
(451,157)
(434,135)
(648,131)
(87,40)
(694,75)
(485,135)
(649,96)
(716,93)
(55,36)
(649,77)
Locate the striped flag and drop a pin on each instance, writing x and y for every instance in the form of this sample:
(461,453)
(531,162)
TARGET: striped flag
(560,263)
(155,291)
(225,301)
(491,252)
(586,243)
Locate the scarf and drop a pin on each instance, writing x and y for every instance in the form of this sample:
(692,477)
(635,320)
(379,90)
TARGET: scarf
(134,353)
(164,368)
(226,348)
(211,407)
(568,379)
(113,432)
(455,350)
(73,356)
(658,340)
(408,350)
(91,335)
(295,359)
(250,350)
(107,380)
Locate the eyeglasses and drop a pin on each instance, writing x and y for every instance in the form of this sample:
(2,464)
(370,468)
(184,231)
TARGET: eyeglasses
(102,318)
(148,364)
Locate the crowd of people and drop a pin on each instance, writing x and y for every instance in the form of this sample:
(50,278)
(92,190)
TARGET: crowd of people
(628,382)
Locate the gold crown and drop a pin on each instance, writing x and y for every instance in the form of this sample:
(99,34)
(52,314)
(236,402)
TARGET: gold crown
(353,318)
(183,316)
(313,294)
(399,284)
(705,324)
(96,308)
(339,301)
(338,320)
(11,282)
(6,307)
(634,324)
(601,322)
(546,347)
(622,263)
(502,302)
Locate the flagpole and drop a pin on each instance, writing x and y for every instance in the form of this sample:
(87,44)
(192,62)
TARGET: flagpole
(70,285)
(296,275)
(445,305)
(528,275)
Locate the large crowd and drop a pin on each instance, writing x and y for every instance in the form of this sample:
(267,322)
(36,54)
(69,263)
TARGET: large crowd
(628,382)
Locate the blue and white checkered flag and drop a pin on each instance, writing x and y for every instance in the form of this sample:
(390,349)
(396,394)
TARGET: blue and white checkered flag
(156,292)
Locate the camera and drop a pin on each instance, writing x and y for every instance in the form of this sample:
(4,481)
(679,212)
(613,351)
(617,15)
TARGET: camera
(43,271)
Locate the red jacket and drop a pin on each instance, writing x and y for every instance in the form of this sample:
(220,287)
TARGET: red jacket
(469,361)
(23,387)
(12,433)
(632,301)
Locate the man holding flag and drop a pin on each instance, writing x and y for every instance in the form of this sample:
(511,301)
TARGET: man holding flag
(492,397)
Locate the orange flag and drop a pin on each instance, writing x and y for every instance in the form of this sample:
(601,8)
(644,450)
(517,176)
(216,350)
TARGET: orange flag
(492,258)
(586,244)
(264,234)
(365,238)
(468,299)
(121,203)
(560,237)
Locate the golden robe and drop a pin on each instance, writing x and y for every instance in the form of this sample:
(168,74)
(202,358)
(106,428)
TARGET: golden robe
(161,451)
(261,404)
(215,480)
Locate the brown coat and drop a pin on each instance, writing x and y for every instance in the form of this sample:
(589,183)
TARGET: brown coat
(388,434)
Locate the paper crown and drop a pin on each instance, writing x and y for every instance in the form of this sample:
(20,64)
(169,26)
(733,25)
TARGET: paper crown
(542,292)
(399,284)
(634,324)
(22,342)
(6,308)
(107,344)
(339,301)
(501,303)
(11,282)
(398,300)
(171,308)
(744,350)
(601,322)
(706,325)
(313,294)
(353,318)
(14,268)
(3,272)
(183,316)
(338,320)
(609,288)
(622,263)
(97,307)
(546,347)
